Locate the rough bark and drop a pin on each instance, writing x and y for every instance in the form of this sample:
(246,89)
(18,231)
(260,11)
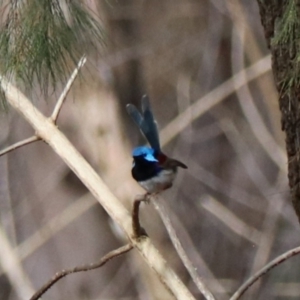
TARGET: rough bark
(280,20)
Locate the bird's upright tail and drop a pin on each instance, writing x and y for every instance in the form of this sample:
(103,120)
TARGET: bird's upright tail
(146,122)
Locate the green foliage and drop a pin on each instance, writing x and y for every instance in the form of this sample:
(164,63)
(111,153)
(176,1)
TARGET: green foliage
(286,28)
(287,37)
(43,39)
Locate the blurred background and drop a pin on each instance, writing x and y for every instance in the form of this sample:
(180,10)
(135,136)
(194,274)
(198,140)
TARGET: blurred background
(230,209)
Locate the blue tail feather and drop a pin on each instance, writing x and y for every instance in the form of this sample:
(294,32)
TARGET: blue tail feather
(145,122)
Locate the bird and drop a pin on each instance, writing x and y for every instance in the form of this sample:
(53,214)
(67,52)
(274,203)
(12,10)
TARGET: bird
(152,169)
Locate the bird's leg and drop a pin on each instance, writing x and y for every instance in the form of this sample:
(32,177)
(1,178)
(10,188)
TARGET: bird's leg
(138,230)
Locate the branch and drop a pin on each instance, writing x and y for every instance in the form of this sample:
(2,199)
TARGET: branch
(176,243)
(20,144)
(136,226)
(12,267)
(55,112)
(66,90)
(57,223)
(213,98)
(47,131)
(275,262)
(84,268)
(230,220)
(246,101)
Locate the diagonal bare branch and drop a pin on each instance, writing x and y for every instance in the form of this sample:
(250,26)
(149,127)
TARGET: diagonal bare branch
(20,144)
(110,255)
(66,90)
(275,262)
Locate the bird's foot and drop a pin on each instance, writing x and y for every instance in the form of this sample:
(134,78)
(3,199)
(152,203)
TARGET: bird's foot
(147,198)
(144,197)
(140,232)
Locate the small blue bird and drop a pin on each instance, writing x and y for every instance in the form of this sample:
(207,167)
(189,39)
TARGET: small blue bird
(152,169)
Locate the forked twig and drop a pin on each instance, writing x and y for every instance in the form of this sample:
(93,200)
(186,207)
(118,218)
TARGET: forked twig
(20,144)
(66,90)
(275,262)
(55,112)
(84,268)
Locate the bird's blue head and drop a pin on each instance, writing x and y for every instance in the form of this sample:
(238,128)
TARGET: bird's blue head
(145,152)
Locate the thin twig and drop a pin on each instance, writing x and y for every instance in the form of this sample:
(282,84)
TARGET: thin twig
(66,90)
(275,262)
(84,268)
(20,144)
(176,243)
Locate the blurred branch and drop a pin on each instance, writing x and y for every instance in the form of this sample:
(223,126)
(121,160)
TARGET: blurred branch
(269,235)
(56,224)
(213,98)
(47,131)
(13,269)
(66,90)
(254,170)
(253,51)
(249,108)
(112,254)
(20,144)
(278,260)
(243,149)
(240,35)
(219,185)
(176,243)
(194,252)
(230,220)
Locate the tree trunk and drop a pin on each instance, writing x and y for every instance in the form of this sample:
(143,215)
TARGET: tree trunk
(280,20)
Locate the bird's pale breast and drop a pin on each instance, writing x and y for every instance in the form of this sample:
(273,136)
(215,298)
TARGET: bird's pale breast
(162,181)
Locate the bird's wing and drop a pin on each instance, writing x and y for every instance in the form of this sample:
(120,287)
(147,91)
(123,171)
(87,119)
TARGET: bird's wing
(145,122)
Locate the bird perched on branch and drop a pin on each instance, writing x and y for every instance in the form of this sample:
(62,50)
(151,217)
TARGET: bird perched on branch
(152,169)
